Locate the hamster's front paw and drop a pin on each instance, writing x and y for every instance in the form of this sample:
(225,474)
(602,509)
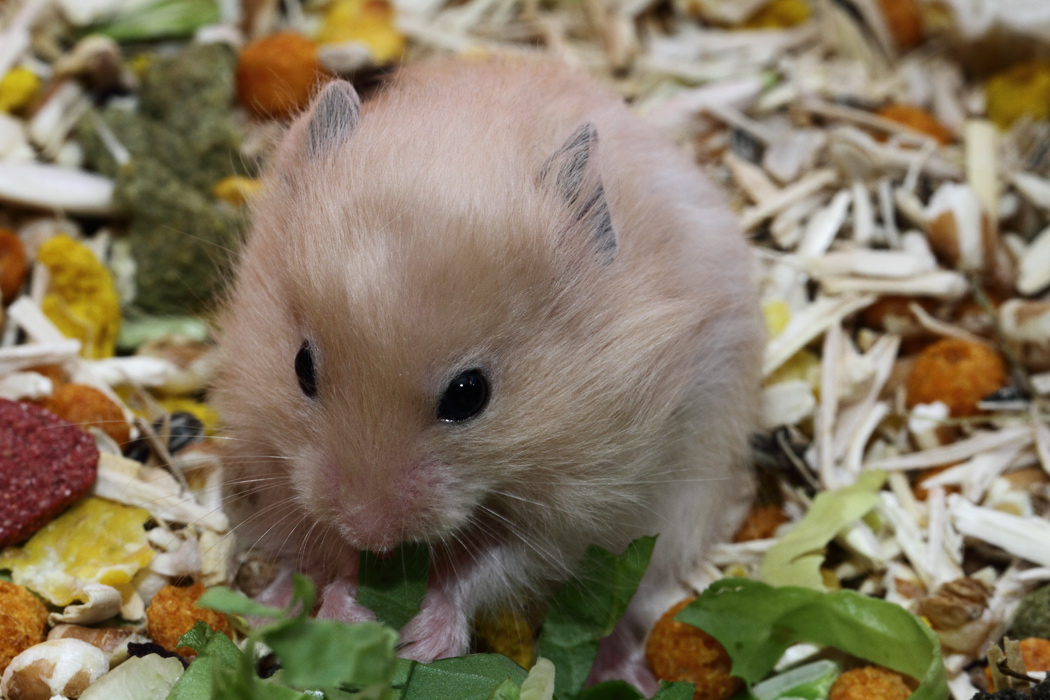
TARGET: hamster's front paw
(339,602)
(439,630)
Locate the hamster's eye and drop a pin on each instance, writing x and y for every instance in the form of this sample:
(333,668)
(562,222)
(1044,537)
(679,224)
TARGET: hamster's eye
(304,370)
(464,397)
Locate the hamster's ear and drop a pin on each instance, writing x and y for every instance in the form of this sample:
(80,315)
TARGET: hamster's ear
(573,175)
(333,117)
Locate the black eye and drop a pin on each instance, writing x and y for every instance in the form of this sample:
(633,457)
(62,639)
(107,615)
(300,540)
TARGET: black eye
(464,397)
(304,370)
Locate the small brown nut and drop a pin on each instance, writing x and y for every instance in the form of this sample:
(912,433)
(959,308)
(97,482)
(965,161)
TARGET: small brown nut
(871,683)
(761,523)
(89,408)
(63,667)
(958,373)
(13,264)
(108,639)
(23,619)
(173,612)
(676,651)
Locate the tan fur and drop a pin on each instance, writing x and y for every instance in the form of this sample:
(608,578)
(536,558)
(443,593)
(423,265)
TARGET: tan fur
(425,244)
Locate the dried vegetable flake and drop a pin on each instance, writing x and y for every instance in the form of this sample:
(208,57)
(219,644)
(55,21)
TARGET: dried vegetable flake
(96,541)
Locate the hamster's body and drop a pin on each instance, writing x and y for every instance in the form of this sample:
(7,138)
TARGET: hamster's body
(514,220)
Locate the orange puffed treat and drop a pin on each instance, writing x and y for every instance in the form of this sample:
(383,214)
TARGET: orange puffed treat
(89,408)
(277,74)
(1036,654)
(918,119)
(173,612)
(13,264)
(904,20)
(676,651)
(871,683)
(23,619)
(761,523)
(956,372)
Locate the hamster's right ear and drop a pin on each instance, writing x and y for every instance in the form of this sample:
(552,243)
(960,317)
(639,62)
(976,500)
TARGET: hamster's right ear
(333,117)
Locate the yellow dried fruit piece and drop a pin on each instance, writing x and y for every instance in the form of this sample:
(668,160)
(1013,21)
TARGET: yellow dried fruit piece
(1022,90)
(777,314)
(17,89)
(83,302)
(370,22)
(779,14)
(803,365)
(236,189)
(95,541)
(506,632)
(205,413)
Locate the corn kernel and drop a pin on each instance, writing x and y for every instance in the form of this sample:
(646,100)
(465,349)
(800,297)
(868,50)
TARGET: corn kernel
(370,22)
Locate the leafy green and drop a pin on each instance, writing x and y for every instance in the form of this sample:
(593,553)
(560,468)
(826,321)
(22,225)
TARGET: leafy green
(674,691)
(462,678)
(138,678)
(795,559)
(160,20)
(215,652)
(393,587)
(586,609)
(809,682)
(756,622)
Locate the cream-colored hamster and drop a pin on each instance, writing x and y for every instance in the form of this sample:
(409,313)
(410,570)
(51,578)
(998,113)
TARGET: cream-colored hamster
(492,311)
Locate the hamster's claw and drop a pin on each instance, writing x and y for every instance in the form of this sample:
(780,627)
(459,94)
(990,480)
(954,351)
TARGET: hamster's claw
(439,630)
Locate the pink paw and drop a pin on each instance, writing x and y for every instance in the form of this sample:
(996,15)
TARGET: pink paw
(339,602)
(439,630)
(623,659)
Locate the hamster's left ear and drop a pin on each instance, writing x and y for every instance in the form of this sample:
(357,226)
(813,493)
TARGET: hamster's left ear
(573,174)
(333,117)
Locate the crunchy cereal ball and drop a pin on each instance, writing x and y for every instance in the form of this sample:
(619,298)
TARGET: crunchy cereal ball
(676,651)
(88,407)
(761,522)
(23,619)
(871,683)
(13,264)
(277,74)
(956,372)
(173,612)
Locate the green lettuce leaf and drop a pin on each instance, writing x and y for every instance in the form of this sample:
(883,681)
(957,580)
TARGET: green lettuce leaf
(393,587)
(795,559)
(756,622)
(586,609)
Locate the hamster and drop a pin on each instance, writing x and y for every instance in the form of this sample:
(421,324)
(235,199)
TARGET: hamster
(492,311)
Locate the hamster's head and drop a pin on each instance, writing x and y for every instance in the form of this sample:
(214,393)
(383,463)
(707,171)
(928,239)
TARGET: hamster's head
(432,346)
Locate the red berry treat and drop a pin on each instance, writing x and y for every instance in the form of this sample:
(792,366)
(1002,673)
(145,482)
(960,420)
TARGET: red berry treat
(46,464)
